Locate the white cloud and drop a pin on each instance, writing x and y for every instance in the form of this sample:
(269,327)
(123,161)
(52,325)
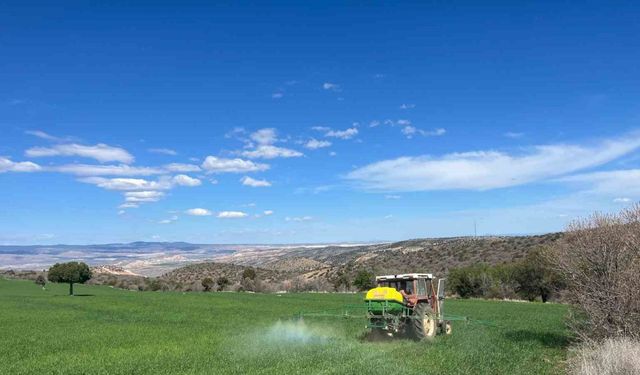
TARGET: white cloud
(299,219)
(184,180)
(267,212)
(180,167)
(198,212)
(133,184)
(42,135)
(483,170)
(105,170)
(126,184)
(612,183)
(331,86)
(164,151)
(271,152)
(213,164)
(321,128)
(128,205)
(143,196)
(391,196)
(122,212)
(169,220)
(374,123)
(407,106)
(231,214)
(101,152)
(333,153)
(248,181)
(6,165)
(315,144)
(409,131)
(513,135)
(622,200)
(277,95)
(264,136)
(342,134)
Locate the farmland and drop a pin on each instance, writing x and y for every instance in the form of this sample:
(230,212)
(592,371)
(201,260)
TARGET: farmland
(110,331)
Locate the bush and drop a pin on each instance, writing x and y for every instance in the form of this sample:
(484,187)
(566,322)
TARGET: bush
(534,277)
(364,280)
(40,280)
(207,283)
(612,357)
(599,258)
(222,282)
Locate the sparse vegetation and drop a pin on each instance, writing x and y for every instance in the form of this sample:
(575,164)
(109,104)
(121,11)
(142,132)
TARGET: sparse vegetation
(619,356)
(599,257)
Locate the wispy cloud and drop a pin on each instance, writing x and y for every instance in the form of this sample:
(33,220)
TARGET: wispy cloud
(267,212)
(342,134)
(513,135)
(198,212)
(407,106)
(298,218)
(271,152)
(483,170)
(314,144)
(214,164)
(143,196)
(248,181)
(180,167)
(46,136)
(164,151)
(100,152)
(331,86)
(106,170)
(170,220)
(6,165)
(231,214)
(622,200)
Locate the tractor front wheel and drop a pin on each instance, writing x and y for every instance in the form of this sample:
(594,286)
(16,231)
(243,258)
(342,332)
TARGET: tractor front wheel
(423,322)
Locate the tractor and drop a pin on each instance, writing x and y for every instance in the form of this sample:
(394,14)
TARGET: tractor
(409,305)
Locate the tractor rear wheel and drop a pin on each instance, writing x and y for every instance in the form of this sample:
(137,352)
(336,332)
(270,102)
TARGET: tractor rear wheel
(423,322)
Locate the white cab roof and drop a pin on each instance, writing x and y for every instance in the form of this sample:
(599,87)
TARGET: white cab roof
(405,276)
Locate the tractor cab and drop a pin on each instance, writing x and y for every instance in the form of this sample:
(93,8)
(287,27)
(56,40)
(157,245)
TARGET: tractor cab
(414,287)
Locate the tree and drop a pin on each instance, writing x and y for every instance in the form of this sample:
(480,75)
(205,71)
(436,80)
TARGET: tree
(222,282)
(341,281)
(249,273)
(71,273)
(535,278)
(207,283)
(40,280)
(364,280)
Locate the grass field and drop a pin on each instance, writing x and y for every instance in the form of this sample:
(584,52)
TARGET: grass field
(110,331)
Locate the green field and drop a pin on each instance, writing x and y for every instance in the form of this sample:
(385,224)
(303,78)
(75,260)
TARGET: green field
(111,331)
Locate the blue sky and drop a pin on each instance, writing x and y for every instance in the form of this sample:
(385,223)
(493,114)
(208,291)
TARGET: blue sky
(326,122)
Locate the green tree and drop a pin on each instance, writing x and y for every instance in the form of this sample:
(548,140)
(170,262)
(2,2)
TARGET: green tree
(364,280)
(40,280)
(207,283)
(71,273)
(249,273)
(341,280)
(222,282)
(535,277)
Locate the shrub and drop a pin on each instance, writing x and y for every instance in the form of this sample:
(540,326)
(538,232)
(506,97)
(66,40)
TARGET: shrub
(207,283)
(40,280)
(534,277)
(611,357)
(249,273)
(599,258)
(222,282)
(364,280)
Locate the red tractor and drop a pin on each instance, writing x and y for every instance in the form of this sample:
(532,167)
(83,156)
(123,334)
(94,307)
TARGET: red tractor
(407,304)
